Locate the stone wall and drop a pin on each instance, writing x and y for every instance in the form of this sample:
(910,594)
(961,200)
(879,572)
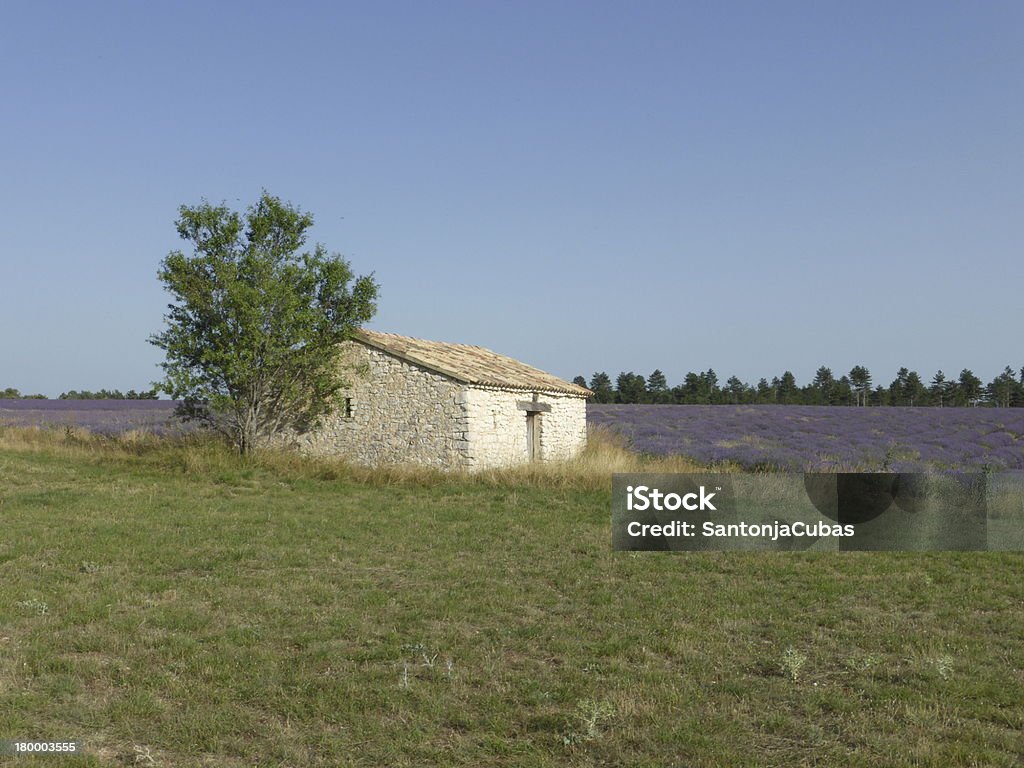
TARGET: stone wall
(497,427)
(402,413)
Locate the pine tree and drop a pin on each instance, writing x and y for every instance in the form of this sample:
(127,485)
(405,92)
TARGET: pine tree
(787,389)
(601,386)
(939,389)
(968,390)
(1003,388)
(914,392)
(657,387)
(736,389)
(631,388)
(824,385)
(860,380)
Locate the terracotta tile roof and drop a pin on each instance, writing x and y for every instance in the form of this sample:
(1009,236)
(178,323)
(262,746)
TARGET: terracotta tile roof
(469,364)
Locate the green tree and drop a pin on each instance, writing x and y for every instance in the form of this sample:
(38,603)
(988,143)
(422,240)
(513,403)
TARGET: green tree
(860,382)
(879,396)
(149,394)
(914,392)
(601,386)
(968,388)
(1004,388)
(898,387)
(737,389)
(843,391)
(657,387)
(824,386)
(938,390)
(252,336)
(631,388)
(709,384)
(689,392)
(788,392)
(906,388)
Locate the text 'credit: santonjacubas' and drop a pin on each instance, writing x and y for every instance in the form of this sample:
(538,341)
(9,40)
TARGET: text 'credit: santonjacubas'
(817,511)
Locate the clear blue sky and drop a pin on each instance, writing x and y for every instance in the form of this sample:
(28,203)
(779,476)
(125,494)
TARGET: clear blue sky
(751,187)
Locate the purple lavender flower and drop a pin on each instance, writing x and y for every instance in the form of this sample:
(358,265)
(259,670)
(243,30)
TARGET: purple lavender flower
(815,437)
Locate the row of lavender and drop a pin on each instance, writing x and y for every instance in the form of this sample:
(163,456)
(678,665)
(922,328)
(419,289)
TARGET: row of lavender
(779,436)
(107,417)
(821,438)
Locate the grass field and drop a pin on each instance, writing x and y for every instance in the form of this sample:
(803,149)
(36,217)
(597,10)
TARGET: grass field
(176,606)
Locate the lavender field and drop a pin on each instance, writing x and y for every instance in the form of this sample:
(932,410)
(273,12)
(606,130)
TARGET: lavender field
(776,436)
(108,417)
(821,438)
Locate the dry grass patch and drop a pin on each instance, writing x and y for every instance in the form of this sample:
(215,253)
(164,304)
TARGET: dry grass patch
(203,454)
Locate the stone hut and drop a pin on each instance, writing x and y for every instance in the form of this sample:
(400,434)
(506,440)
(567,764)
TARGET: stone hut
(452,406)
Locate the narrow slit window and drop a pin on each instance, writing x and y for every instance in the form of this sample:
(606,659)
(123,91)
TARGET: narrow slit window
(348,408)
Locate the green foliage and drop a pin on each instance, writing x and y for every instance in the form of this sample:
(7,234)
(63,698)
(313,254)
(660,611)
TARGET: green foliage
(914,392)
(1004,390)
(601,386)
(109,394)
(938,390)
(860,383)
(908,389)
(879,396)
(968,388)
(824,386)
(788,391)
(13,394)
(631,388)
(699,389)
(252,336)
(657,388)
(738,391)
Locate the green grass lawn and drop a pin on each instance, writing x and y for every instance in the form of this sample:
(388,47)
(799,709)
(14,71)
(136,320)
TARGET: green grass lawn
(169,610)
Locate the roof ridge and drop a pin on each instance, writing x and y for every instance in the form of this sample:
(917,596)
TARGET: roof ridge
(469,363)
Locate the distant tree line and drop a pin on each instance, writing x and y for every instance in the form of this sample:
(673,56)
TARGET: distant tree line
(12,394)
(104,394)
(109,394)
(855,388)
